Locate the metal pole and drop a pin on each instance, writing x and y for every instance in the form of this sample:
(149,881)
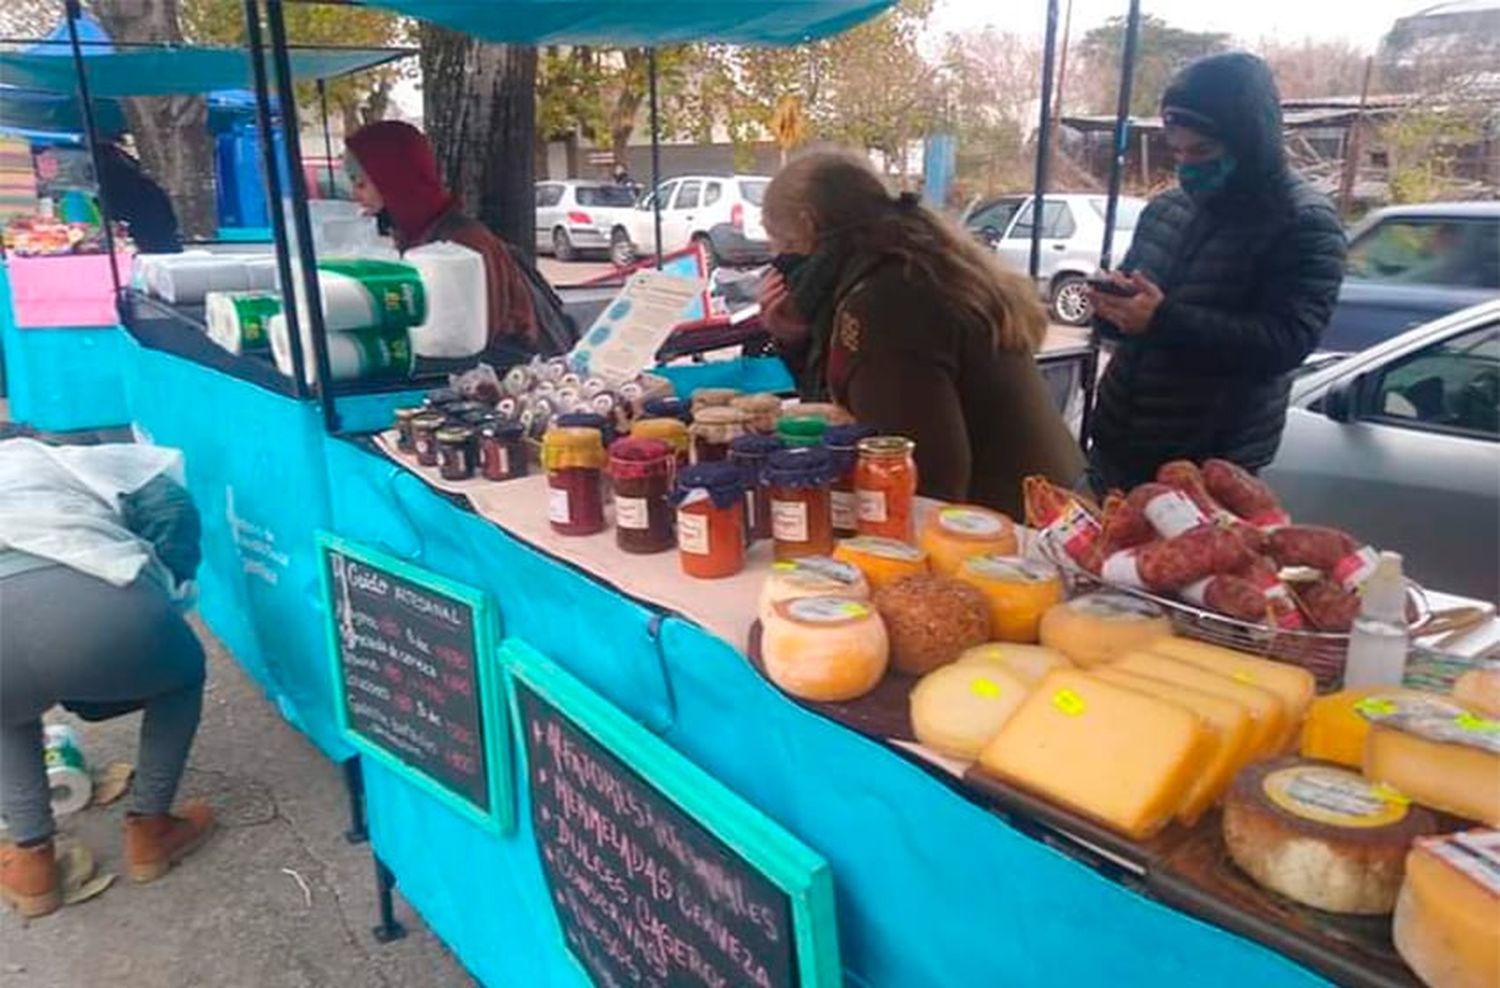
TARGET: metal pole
(1353,145)
(91,139)
(267,129)
(1122,131)
(309,261)
(1043,143)
(327,138)
(655,154)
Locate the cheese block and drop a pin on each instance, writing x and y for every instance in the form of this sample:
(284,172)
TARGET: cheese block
(1118,756)
(825,648)
(1029,663)
(957,709)
(958,531)
(1293,684)
(1436,752)
(882,561)
(1264,707)
(811,576)
(1228,723)
(1100,627)
(1335,731)
(1479,690)
(1019,592)
(1447,923)
(1322,835)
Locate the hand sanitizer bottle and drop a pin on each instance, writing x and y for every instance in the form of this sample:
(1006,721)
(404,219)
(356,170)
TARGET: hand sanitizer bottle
(1378,642)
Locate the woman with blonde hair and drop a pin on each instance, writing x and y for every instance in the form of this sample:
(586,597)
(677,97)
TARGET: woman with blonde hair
(891,311)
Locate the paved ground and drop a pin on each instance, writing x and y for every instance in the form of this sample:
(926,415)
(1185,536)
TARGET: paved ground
(234,915)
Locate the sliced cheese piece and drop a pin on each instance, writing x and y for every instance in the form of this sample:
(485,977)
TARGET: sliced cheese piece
(1263,706)
(1438,753)
(882,561)
(825,648)
(1294,684)
(1121,757)
(1447,923)
(956,532)
(1029,663)
(1479,690)
(1100,627)
(811,576)
(1322,835)
(957,709)
(1019,592)
(1228,722)
(1334,729)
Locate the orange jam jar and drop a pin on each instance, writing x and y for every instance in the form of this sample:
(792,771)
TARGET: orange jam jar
(885,487)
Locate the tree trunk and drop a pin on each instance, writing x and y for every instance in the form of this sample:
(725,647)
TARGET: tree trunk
(171,132)
(480,108)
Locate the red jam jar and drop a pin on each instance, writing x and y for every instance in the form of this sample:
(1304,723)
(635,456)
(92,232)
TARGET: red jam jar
(424,429)
(574,461)
(714,428)
(641,472)
(710,520)
(502,451)
(455,444)
(404,418)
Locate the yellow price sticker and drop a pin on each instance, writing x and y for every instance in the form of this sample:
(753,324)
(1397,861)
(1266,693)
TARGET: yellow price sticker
(1068,702)
(1387,793)
(1474,723)
(783,567)
(1375,706)
(1241,676)
(987,688)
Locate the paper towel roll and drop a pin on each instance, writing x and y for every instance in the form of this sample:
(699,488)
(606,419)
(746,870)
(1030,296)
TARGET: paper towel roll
(188,282)
(67,772)
(237,320)
(365,293)
(352,355)
(453,279)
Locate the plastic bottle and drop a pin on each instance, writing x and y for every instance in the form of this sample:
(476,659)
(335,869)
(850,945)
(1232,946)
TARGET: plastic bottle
(1379,640)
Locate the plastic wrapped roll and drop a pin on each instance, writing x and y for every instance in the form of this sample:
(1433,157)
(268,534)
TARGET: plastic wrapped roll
(352,356)
(237,321)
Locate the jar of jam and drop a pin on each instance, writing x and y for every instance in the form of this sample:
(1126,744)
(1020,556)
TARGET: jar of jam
(710,520)
(641,471)
(441,398)
(750,453)
(797,484)
(502,450)
(885,483)
(842,442)
(669,430)
(455,445)
(424,429)
(712,398)
(588,420)
(667,407)
(403,427)
(797,431)
(762,412)
(713,429)
(462,409)
(574,461)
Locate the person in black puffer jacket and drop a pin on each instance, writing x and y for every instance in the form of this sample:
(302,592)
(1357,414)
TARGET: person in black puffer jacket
(1228,285)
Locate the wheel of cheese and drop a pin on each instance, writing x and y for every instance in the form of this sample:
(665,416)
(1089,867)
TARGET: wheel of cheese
(882,561)
(958,531)
(1019,592)
(931,621)
(1447,923)
(1479,690)
(1028,663)
(1322,835)
(811,576)
(1100,627)
(958,709)
(824,648)
(1335,730)
(1440,754)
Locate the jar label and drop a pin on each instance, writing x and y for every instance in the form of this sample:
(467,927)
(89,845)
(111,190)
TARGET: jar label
(499,460)
(559,511)
(692,533)
(1334,796)
(826,610)
(789,521)
(632,513)
(968,522)
(874,545)
(818,570)
(845,510)
(872,506)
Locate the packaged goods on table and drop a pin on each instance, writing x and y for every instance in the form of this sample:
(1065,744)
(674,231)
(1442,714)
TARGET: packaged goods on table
(813,576)
(641,471)
(824,648)
(761,412)
(502,450)
(456,451)
(797,486)
(1334,730)
(668,430)
(842,443)
(1447,922)
(710,501)
(1479,690)
(712,398)
(885,488)
(1019,592)
(958,709)
(956,532)
(931,621)
(574,460)
(801,431)
(751,454)
(883,561)
(1437,752)
(1266,708)
(1098,627)
(240,321)
(714,428)
(1029,663)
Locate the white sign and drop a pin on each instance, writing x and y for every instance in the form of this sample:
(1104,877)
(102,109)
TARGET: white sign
(623,341)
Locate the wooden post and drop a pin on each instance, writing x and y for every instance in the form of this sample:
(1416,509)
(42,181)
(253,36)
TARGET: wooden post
(1353,144)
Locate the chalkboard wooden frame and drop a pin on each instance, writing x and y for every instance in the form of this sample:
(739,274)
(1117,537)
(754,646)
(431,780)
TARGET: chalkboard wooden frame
(500,818)
(797,870)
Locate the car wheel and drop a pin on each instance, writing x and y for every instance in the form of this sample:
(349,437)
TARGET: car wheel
(705,243)
(562,245)
(1070,300)
(621,250)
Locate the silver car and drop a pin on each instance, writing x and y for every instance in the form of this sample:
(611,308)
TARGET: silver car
(575,216)
(1400,445)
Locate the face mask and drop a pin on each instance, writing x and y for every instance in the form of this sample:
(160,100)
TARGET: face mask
(1201,179)
(789,265)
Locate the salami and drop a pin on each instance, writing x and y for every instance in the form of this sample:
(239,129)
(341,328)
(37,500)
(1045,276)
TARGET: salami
(1171,564)
(1230,595)
(1334,553)
(1063,523)
(1329,607)
(1243,493)
(1185,476)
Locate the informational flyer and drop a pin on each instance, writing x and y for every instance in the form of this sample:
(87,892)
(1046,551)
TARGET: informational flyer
(623,341)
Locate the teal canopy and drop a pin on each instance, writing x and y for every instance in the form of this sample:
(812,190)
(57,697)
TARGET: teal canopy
(641,22)
(170,71)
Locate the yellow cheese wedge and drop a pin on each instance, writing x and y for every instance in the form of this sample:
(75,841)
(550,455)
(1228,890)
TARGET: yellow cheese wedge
(1019,592)
(1029,663)
(1447,923)
(1100,627)
(882,561)
(1264,707)
(1110,753)
(825,648)
(957,709)
(1479,690)
(1439,754)
(1228,722)
(1294,684)
(953,533)
(1334,729)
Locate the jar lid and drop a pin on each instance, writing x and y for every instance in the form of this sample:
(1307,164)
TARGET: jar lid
(723,482)
(582,420)
(475,419)
(455,434)
(430,420)
(714,396)
(566,448)
(442,396)
(467,407)
(670,429)
(757,404)
(755,445)
(801,430)
(666,407)
(502,429)
(808,466)
(846,436)
(828,412)
(886,446)
(720,415)
(634,458)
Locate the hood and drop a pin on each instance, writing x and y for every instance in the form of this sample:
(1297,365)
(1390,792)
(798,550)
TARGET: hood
(398,158)
(1233,98)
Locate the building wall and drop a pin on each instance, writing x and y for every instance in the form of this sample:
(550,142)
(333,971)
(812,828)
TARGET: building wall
(676,159)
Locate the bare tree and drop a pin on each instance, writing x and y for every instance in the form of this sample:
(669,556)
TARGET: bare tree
(1311,68)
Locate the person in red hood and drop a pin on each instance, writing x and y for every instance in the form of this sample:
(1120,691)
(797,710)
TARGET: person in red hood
(395,172)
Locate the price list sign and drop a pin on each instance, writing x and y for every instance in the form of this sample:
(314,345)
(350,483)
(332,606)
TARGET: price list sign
(413,690)
(660,877)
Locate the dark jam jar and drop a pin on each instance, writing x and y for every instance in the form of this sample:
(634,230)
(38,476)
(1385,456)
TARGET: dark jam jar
(589,420)
(455,446)
(750,454)
(641,471)
(842,443)
(403,428)
(462,411)
(667,407)
(502,450)
(714,428)
(441,398)
(424,429)
(574,461)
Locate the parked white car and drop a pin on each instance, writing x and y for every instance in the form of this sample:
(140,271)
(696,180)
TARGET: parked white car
(574,216)
(1072,238)
(692,205)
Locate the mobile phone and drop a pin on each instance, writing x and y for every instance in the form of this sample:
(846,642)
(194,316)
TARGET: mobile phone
(1106,286)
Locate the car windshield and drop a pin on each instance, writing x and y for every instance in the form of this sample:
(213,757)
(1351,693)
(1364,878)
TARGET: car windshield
(753,192)
(1127,211)
(620,196)
(1461,253)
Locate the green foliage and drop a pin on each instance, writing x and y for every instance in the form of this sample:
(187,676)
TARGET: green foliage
(1161,50)
(1422,146)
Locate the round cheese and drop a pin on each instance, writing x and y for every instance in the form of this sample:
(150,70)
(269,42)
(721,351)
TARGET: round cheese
(1100,627)
(931,620)
(824,648)
(1447,923)
(882,561)
(1479,690)
(954,533)
(1335,730)
(1019,592)
(811,576)
(958,709)
(1028,663)
(1322,835)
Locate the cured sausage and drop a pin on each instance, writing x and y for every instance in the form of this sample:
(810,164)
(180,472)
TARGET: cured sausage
(1334,553)
(1328,606)
(1243,493)
(1171,564)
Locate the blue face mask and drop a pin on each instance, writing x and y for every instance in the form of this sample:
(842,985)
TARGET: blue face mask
(1201,179)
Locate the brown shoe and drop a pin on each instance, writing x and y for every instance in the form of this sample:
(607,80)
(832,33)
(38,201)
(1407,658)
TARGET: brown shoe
(29,879)
(153,844)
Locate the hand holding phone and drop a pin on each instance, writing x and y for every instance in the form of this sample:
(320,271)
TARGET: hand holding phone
(1105,284)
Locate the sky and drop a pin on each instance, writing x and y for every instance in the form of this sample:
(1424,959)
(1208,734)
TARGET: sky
(1362,22)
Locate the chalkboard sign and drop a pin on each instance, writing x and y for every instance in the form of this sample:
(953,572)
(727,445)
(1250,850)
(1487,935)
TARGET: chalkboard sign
(411,667)
(659,875)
